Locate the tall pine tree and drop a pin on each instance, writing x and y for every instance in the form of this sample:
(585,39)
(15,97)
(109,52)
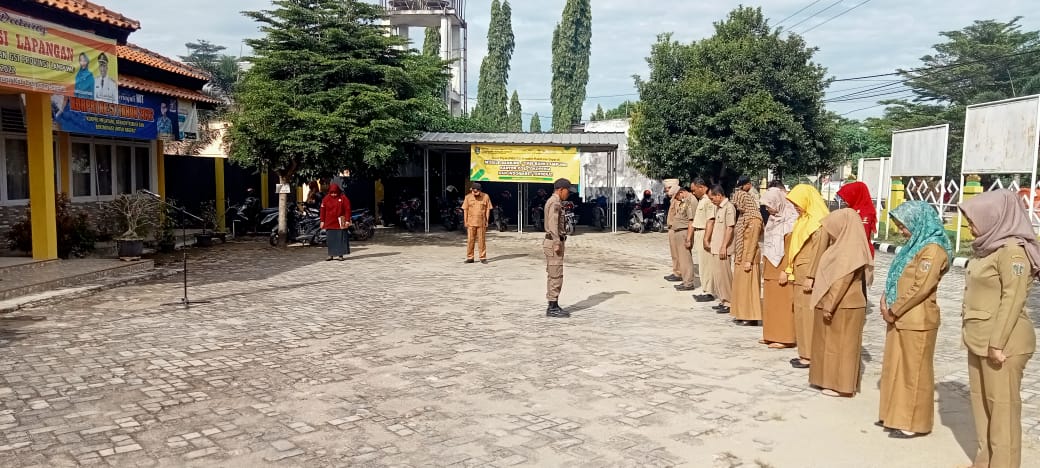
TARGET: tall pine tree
(492,95)
(516,119)
(432,43)
(571,47)
(536,124)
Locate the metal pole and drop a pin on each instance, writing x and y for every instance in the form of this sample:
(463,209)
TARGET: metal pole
(960,220)
(613,192)
(519,208)
(426,188)
(1032,180)
(444,175)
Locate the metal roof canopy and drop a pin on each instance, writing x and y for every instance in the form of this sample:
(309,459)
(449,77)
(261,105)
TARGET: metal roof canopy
(585,142)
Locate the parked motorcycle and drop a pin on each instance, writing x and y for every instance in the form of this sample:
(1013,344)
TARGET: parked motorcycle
(303,226)
(653,220)
(570,218)
(499,219)
(409,214)
(362,225)
(452,216)
(538,217)
(599,213)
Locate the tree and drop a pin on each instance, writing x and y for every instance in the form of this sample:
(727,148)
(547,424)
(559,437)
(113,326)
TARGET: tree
(224,70)
(330,89)
(742,101)
(598,115)
(571,48)
(492,95)
(516,118)
(432,42)
(622,111)
(536,124)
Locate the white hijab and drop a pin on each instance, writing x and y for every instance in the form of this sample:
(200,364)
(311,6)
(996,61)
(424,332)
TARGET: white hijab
(778,226)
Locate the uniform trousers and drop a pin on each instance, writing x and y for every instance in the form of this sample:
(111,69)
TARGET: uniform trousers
(553,270)
(996,402)
(478,236)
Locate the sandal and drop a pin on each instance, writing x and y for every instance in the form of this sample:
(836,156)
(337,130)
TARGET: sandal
(763,342)
(778,346)
(832,393)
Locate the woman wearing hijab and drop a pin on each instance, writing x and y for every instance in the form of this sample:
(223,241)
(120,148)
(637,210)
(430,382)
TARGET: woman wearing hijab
(801,263)
(778,314)
(909,307)
(335,219)
(845,267)
(997,331)
(747,278)
(857,196)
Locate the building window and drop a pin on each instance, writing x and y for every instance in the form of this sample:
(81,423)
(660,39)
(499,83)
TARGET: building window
(103,162)
(142,169)
(81,168)
(124,170)
(16,153)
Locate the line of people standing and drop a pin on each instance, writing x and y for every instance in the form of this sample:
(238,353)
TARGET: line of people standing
(804,276)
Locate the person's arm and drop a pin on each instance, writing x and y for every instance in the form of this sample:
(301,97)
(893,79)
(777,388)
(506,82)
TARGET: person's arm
(321,216)
(751,245)
(833,296)
(729,219)
(465,211)
(931,264)
(488,207)
(552,223)
(823,241)
(726,240)
(708,228)
(691,213)
(347,213)
(1015,275)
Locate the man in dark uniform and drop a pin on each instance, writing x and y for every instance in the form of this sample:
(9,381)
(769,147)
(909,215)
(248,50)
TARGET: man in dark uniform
(554,245)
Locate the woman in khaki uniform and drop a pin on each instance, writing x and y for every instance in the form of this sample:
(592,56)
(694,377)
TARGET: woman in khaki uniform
(844,268)
(997,330)
(909,307)
(778,307)
(801,256)
(747,278)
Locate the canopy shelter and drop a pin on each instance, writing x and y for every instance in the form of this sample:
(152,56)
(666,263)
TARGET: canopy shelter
(461,145)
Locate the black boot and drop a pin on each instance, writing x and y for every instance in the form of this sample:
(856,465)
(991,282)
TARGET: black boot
(555,311)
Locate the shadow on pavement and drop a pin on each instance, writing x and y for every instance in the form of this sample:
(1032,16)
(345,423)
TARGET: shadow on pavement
(595,300)
(265,290)
(10,328)
(372,255)
(503,258)
(955,413)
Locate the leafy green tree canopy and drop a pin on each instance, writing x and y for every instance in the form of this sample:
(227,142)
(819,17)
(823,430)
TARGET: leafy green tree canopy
(744,100)
(571,48)
(516,118)
(492,95)
(432,42)
(536,124)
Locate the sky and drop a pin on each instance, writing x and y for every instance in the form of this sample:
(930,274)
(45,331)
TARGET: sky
(854,37)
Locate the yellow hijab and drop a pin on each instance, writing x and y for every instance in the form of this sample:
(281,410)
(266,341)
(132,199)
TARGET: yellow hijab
(814,209)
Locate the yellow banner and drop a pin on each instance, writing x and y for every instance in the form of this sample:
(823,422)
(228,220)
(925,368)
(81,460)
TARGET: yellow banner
(528,164)
(44,57)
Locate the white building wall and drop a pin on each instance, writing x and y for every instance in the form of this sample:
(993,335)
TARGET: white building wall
(595,167)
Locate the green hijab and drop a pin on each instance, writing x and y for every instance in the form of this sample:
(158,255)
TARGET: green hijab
(925,228)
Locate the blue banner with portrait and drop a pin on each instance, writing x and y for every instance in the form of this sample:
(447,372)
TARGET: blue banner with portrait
(140,116)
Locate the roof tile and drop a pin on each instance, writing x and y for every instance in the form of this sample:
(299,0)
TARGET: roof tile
(138,54)
(94,12)
(141,84)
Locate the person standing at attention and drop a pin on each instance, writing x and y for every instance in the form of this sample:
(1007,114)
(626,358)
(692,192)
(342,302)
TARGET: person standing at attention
(554,247)
(702,253)
(476,209)
(844,269)
(778,330)
(801,258)
(671,190)
(747,277)
(335,220)
(997,330)
(682,230)
(721,247)
(910,309)
(857,196)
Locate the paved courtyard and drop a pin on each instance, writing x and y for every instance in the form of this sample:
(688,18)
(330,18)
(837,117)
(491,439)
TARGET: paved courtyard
(403,356)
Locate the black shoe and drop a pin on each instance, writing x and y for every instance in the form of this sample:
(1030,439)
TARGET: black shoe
(554,310)
(328,259)
(724,310)
(469,260)
(703,297)
(683,287)
(797,364)
(902,435)
(881,424)
(484,261)
(673,278)
(717,307)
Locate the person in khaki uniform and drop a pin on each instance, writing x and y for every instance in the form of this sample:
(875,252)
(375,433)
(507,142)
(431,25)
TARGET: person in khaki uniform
(671,190)
(476,208)
(722,247)
(554,246)
(844,269)
(997,330)
(910,309)
(801,255)
(681,234)
(747,260)
(703,216)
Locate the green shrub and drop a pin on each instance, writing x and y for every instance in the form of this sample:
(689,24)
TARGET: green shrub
(75,235)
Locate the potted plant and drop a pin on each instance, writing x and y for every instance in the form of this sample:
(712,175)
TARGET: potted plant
(137,214)
(209,224)
(165,240)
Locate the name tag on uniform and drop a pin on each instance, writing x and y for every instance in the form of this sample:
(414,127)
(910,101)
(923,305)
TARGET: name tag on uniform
(926,265)
(1018,268)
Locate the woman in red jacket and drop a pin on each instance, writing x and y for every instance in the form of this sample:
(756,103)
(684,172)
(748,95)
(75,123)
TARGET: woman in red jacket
(335,219)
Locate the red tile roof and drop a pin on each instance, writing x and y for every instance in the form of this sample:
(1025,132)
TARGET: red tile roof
(149,86)
(144,56)
(94,12)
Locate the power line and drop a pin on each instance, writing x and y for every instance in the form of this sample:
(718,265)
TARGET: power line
(860,109)
(792,15)
(839,15)
(814,14)
(939,67)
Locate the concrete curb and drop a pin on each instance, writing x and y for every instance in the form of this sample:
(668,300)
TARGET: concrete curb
(78,292)
(890,248)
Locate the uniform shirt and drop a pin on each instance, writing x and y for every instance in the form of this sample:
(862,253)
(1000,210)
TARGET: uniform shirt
(673,207)
(476,209)
(994,313)
(554,220)
(705,211)
(684,213)
(106,90)
(725,216)
(915,306)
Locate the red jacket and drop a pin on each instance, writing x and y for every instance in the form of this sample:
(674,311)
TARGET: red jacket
(333,207)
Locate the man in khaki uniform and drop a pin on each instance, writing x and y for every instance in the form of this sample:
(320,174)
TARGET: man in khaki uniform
(721,247)
(554,246)
(671,190)
(682,234)
(703,216)
(476,208)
